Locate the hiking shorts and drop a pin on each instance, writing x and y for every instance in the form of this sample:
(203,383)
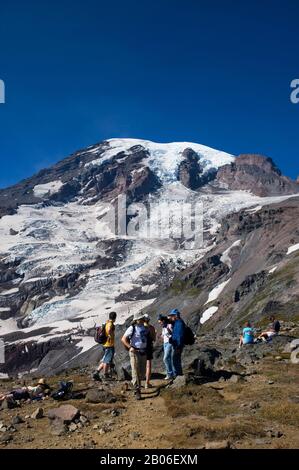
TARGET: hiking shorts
(108,355)
(270,334)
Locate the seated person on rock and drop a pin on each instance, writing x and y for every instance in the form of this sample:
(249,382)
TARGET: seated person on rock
(272,330)
(247,336)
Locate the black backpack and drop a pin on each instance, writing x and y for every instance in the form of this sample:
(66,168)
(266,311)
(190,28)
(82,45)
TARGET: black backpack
(189,336)
(100,335)
(64,392)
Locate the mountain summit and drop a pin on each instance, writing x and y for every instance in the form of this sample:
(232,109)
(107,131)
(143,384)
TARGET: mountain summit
(62,268)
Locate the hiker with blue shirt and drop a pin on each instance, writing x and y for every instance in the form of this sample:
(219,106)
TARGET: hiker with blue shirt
(177,340)
(247,336)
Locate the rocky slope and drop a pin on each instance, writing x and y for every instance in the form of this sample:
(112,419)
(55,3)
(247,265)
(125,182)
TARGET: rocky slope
(63,267)
(227,399)
(252,271)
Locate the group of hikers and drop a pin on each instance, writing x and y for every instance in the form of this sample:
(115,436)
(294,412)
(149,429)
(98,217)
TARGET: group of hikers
(139,339)
(248,334)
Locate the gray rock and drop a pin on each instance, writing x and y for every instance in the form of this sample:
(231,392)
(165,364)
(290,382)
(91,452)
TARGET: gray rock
(218,445)
(11,428)
(104,429)
(254,405)
(99,396)
(295,356)
(73,427)
(8,404)
(84,420)
(134,435)
(58,428)
(5,438)
(178,382)
(38,413)
(17,420)
(205,365)
(262,442)
(274,434)
(294,399)
(65,413)
(235,379)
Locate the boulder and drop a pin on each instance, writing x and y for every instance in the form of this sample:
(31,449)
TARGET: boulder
(179,381)
(291,346)
(205,364)
(38,414)
(58,428)
(122,372)
(99,396)
(295,356)
(65,413)
(17,420)
(5,438)
(235,379)
(8,404)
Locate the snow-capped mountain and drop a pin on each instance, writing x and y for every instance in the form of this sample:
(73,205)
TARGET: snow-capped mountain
(62,267)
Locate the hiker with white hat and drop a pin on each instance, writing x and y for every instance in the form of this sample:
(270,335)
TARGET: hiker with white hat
(135,340)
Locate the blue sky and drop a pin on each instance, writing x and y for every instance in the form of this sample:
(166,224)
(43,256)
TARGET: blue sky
(215,72)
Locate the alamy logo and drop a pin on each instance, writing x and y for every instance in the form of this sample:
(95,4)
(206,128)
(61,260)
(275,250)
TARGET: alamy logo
(295,93)
(178,221)
(2,92)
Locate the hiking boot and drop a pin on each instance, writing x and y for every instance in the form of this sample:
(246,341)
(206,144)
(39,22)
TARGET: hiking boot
(138,395)
(96,376)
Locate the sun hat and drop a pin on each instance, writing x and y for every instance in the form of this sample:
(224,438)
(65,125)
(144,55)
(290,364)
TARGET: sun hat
(138,316)
(41,382)
(174,312)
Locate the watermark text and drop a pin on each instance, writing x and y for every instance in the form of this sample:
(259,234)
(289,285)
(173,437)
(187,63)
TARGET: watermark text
(2,92)
(295,93)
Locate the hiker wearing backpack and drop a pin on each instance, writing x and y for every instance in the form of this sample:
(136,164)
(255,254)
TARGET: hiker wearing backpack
(150,349)
(177,340)
(105,336)
(166,336)
(135,340)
